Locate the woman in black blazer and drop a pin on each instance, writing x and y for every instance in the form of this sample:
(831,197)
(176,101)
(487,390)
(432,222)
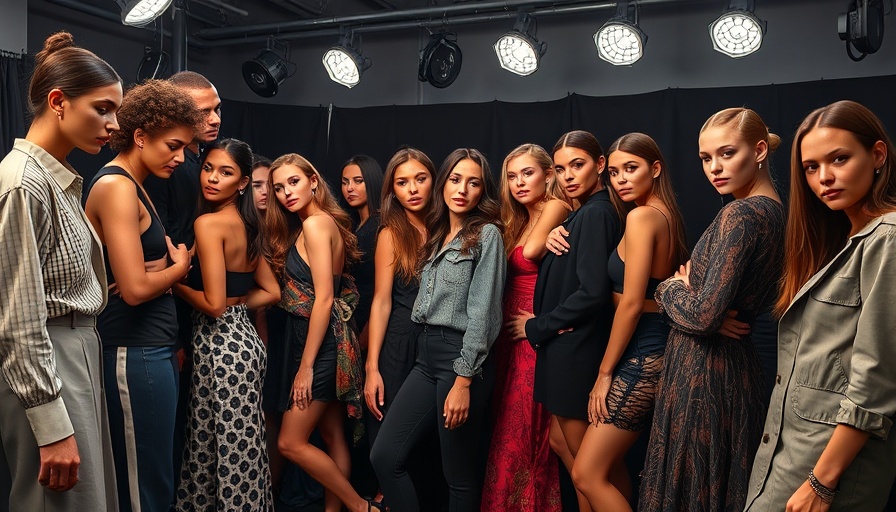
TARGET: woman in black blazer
(573,299)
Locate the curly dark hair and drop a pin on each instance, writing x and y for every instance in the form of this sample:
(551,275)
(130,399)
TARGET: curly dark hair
(154,106)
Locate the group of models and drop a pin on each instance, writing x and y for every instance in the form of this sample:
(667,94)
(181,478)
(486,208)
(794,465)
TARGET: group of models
(554,306)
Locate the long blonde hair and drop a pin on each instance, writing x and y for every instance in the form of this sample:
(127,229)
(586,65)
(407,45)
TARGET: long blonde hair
(513,213)
(279,234)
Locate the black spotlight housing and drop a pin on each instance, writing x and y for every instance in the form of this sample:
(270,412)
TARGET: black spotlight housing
(268,69)
(440,61)
(155,65)
(862,27)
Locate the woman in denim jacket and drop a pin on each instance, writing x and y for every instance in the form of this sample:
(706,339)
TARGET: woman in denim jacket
(459,304)
(827,443)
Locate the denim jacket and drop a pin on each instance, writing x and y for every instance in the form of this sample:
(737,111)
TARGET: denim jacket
(463,291)
(836,365)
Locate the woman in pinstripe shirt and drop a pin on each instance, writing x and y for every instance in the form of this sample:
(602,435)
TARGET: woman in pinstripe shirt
(52,285)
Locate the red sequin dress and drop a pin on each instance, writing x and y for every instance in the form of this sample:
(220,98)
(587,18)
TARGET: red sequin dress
(522,469)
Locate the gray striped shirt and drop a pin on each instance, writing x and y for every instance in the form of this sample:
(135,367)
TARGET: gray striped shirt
(51,264)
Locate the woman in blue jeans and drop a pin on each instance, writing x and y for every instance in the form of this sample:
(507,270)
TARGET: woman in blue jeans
(459,305)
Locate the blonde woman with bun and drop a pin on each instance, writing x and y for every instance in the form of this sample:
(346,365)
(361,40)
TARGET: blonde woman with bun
(54,424)
(710,399)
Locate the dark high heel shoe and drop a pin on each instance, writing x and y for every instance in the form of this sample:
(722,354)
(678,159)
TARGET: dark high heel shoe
(375,505)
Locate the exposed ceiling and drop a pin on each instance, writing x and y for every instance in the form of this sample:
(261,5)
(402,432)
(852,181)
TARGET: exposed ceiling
(221,23)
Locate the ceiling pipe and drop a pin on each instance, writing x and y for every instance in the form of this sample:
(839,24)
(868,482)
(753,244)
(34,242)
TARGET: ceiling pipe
(397,15)
(420,23)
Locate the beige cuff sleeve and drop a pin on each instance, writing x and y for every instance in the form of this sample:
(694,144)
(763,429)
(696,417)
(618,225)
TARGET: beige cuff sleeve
(50,422)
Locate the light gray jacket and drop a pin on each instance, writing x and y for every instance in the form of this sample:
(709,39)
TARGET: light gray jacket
(464,292)
(836,364)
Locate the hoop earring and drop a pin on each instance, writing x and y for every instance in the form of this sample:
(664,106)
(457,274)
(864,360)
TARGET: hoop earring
(242,190)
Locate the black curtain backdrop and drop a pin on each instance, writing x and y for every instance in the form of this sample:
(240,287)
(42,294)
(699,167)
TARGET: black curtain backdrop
(14,76)
(673,117)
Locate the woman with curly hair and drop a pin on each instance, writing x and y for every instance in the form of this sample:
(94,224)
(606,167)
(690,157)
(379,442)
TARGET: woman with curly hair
(322,380)
(139,325)
(462,272)
(225,464)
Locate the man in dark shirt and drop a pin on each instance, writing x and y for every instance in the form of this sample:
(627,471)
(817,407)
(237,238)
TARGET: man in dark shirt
(177,198)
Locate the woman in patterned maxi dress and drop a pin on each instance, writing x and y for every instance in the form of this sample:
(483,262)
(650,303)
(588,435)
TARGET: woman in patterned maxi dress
(709,410)
(225,459)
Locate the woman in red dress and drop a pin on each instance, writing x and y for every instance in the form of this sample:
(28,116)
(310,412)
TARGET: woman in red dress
(522,470)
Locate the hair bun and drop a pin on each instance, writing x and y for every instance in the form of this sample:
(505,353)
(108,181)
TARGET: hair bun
(773,142)
(54,43)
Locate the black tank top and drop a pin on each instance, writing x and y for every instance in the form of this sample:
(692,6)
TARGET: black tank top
(151,323)
(616,268)
(404,293)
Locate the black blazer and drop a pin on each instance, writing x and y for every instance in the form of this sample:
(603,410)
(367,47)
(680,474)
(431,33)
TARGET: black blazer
(574,290)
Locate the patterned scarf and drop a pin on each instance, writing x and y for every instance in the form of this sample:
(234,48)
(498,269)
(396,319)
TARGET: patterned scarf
(298,298)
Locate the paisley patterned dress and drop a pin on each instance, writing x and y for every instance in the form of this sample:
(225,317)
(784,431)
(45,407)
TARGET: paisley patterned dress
(708,417)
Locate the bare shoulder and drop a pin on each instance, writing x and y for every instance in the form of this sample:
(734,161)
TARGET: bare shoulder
(114,186)
(209,224)
(319,224)
(557,206)
(645,218)
(386,236)
(111,198)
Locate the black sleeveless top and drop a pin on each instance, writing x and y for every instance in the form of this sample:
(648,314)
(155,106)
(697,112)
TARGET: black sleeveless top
(151,323)
(616,268)
(238,283)
(300,271)
(616,273)
(404,293)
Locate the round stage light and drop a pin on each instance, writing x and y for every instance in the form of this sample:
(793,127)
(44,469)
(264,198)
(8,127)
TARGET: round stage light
(519,51)
(737,33)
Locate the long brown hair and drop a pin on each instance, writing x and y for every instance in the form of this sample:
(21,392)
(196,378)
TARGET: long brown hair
(643,146)
(406,240)
(487,211)
(815,233)
(513,213)
(278,233)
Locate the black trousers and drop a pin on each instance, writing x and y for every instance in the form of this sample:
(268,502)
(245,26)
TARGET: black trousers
(418,408)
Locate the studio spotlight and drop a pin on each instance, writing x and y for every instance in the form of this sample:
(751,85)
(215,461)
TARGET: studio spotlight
(138,13)
(440,60)
(519,51)
(268,69)
(344,62)
(737,32)
(620,40)
(862,27)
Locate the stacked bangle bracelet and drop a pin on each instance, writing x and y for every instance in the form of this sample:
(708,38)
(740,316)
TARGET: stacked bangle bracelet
(824,492)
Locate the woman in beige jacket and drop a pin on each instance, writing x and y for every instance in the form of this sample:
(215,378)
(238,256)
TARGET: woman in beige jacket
(827,443)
